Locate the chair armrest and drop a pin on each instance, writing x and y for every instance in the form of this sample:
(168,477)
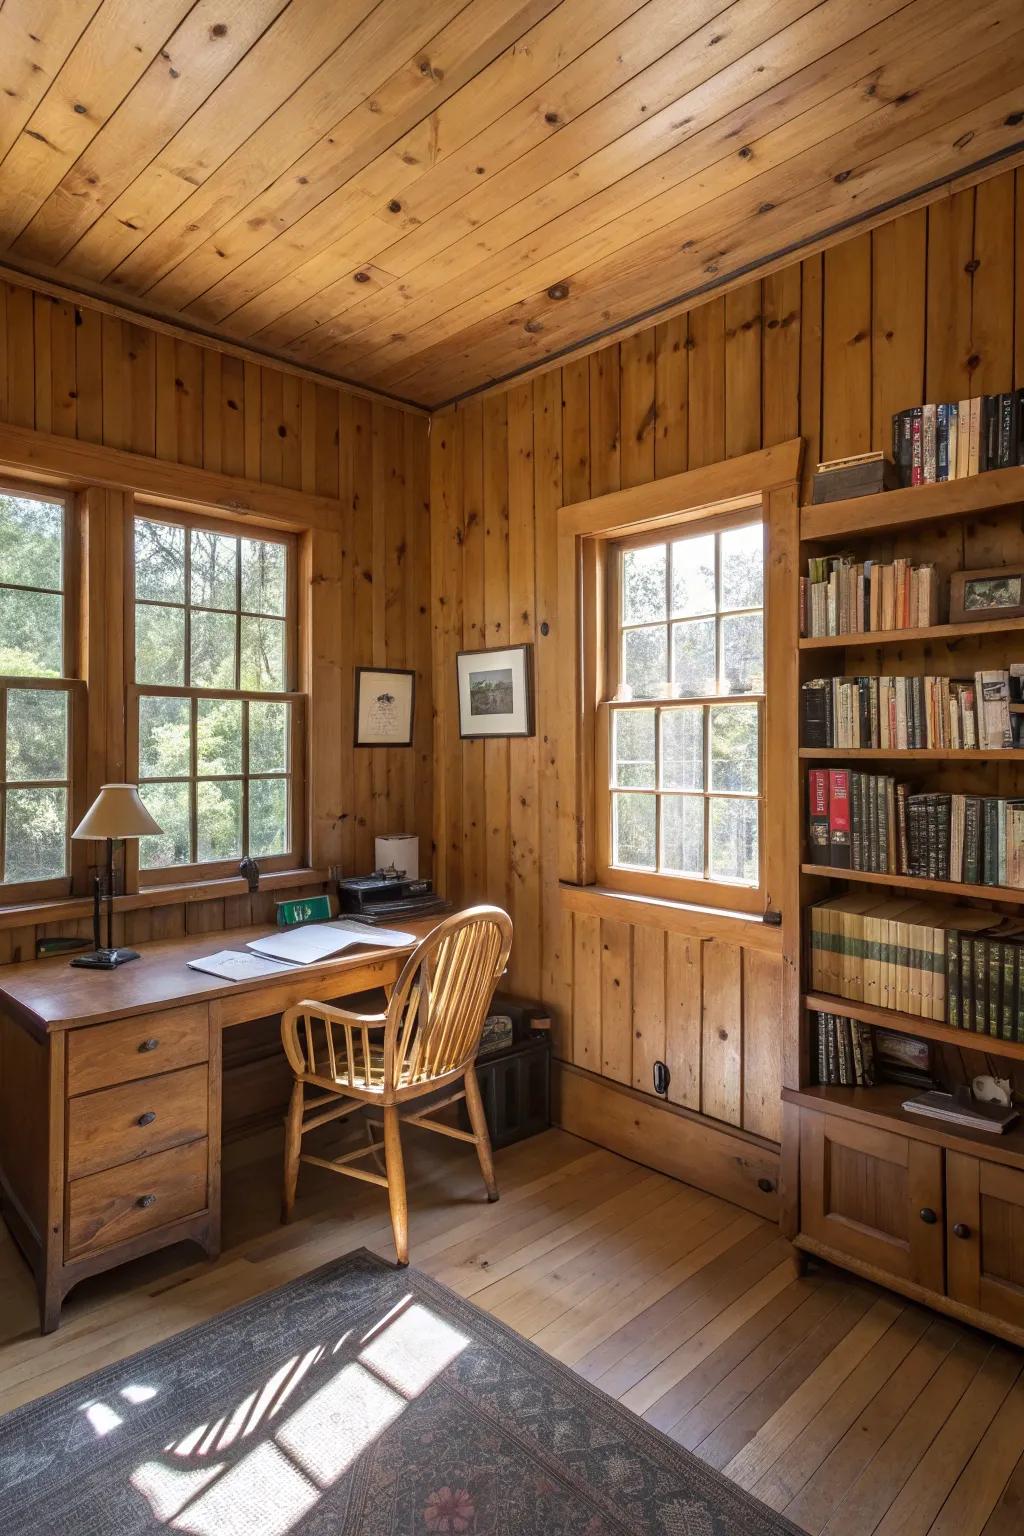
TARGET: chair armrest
(341,1015)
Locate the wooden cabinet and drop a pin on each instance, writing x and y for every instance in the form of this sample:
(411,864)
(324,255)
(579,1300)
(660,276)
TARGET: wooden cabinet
(985,1236)
(873,1195)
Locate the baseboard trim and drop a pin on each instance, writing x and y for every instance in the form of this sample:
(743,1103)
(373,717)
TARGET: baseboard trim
(669,1139)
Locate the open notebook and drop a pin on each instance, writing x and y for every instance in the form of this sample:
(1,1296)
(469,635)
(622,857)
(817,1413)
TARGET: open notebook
(319,941)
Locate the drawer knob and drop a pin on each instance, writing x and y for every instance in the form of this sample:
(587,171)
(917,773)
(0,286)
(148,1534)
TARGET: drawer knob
(928,1216)
(148,1045)
(145,1201)
(147,1118)
(961,1229)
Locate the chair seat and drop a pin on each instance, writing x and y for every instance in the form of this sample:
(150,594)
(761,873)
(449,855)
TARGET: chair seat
(371,1079)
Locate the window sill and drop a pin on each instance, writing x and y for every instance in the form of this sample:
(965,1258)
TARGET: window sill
(684,917)
(67,909)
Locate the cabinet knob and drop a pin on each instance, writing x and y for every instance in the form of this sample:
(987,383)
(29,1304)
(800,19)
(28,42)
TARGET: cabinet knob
(148,1045)
(766,1186)
(961,1229)
(144,1201)
(147,1118)
(928,1216)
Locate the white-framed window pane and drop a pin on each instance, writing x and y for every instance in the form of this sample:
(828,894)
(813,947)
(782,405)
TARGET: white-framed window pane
(682,835)
(742,653)
(741,554)
(694,664)
(262,655)
(169,805)
(682,749)
(159,645)
(36,834)
(645,661)
(31,633)
(263,577)
(218,736)
(37,734)
(633,748)
(268,817)
(734,754)
(693,576)
(218,820)
(159,561)
(214,580)
(213,649)
(634,830)
(165,737)
(733,837)
(644,573)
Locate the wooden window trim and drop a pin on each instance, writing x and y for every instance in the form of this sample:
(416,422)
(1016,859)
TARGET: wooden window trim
(138,880)
(763,484)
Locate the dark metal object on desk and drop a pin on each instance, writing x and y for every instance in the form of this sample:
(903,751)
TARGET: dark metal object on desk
(387,896)
(115,814)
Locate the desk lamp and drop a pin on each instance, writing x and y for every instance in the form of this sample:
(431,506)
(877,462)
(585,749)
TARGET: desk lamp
(116,813)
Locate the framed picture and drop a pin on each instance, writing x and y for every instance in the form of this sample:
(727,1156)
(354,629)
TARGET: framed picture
(992,594)
(385,697)
(496,692)
(903,1059)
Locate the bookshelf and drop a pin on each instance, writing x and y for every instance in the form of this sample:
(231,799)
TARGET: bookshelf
(853,1153)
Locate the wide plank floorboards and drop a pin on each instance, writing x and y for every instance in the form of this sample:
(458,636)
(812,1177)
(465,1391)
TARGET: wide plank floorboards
(850,1409)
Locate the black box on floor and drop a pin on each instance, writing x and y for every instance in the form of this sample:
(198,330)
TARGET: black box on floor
(514,1070)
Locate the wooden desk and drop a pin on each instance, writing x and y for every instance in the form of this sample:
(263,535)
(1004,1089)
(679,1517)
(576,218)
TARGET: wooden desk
(110,1095)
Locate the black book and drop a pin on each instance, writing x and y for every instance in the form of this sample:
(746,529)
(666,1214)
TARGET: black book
(990,841)
(989,432)
(944,818)
(816,699)
(966,983)
(980,985)
(953,978)
(995,977)
(864,707)
(931,823)
(1018,411)
(972,839)
(1008,1023)
(1007,425)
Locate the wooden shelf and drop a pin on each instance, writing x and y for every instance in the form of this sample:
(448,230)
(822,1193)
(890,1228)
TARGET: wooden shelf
(881,1106)
(941,632)
(910,1024)
(918,883)
(915,754)
(835,520)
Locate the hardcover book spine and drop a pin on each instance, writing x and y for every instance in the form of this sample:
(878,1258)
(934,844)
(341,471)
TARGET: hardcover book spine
(953,978)
(817,800)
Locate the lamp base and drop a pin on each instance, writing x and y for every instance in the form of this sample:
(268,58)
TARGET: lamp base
(105,959)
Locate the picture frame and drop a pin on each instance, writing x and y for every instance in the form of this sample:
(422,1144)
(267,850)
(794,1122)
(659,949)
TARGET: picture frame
(495,692)
(385,706)
(995,593)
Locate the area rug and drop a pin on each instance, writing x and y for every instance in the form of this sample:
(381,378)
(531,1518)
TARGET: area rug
(359,1399)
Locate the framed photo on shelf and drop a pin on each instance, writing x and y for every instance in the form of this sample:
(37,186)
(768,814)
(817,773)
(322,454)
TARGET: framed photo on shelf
(903,1059)
(385,700)
(495,692)
(993,594)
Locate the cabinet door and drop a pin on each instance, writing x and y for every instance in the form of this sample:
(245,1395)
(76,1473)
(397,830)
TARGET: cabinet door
(986,1236)
(873,1195)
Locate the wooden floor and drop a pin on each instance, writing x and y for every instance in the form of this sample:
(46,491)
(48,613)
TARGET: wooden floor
(851,1410)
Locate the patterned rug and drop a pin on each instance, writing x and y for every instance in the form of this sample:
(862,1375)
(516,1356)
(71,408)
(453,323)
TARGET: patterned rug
(359,1399)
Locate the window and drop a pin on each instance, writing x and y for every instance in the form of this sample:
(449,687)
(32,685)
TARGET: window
(217,725)
(682,727)
(39,703)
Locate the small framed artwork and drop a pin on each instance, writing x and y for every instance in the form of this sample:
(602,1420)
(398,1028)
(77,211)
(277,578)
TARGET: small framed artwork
(992,594)
(385,698)
(496,692)
(903,1059)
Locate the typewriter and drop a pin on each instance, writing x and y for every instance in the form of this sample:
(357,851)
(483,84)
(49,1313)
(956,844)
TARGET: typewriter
(386,896)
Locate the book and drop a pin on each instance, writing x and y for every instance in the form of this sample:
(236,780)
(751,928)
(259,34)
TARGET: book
(817,803)
(839,818)
(320,941)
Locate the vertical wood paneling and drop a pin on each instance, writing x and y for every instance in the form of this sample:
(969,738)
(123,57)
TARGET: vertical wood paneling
(898,287)
(648,1044)
(636,389)
(587,992)
(846,404)
(474,638)
(762,1044)
(743,370)
(706,386)
(722,1032)
(616,1000)
(671,394)
(683,1043)
(524,788)
(496,631)
(780,362)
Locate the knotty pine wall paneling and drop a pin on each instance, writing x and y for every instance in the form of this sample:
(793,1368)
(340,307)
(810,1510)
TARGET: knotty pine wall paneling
(927,307)
(72,371)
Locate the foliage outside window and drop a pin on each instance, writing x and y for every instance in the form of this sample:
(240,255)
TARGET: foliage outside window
(215,720)
(684,725)
(35,702)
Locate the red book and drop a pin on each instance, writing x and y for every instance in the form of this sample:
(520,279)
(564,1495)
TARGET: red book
(839,817)
(817,808)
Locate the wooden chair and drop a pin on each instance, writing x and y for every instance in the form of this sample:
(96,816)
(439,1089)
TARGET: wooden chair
(431,1032)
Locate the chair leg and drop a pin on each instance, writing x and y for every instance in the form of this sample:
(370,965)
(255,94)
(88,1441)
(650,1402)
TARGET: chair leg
(478,1120)
(292,1145)
(396,1184)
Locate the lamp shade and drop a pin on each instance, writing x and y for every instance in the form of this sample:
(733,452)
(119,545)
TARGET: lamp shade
(117,811)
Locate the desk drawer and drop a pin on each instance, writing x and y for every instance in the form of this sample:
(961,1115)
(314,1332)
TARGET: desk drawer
(127,1049)
(111,1207)
(135,1120)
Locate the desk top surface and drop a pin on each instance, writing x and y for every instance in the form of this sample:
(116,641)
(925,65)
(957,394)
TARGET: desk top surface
(47,995)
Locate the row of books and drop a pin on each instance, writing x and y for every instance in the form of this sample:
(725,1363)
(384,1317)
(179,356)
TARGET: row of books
(844,1051)
(901,713)
(889,951)
(872,822)
(957,438)
(985,981)
(842,595)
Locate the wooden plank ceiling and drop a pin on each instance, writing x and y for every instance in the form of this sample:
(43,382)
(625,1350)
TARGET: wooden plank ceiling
(427,197)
